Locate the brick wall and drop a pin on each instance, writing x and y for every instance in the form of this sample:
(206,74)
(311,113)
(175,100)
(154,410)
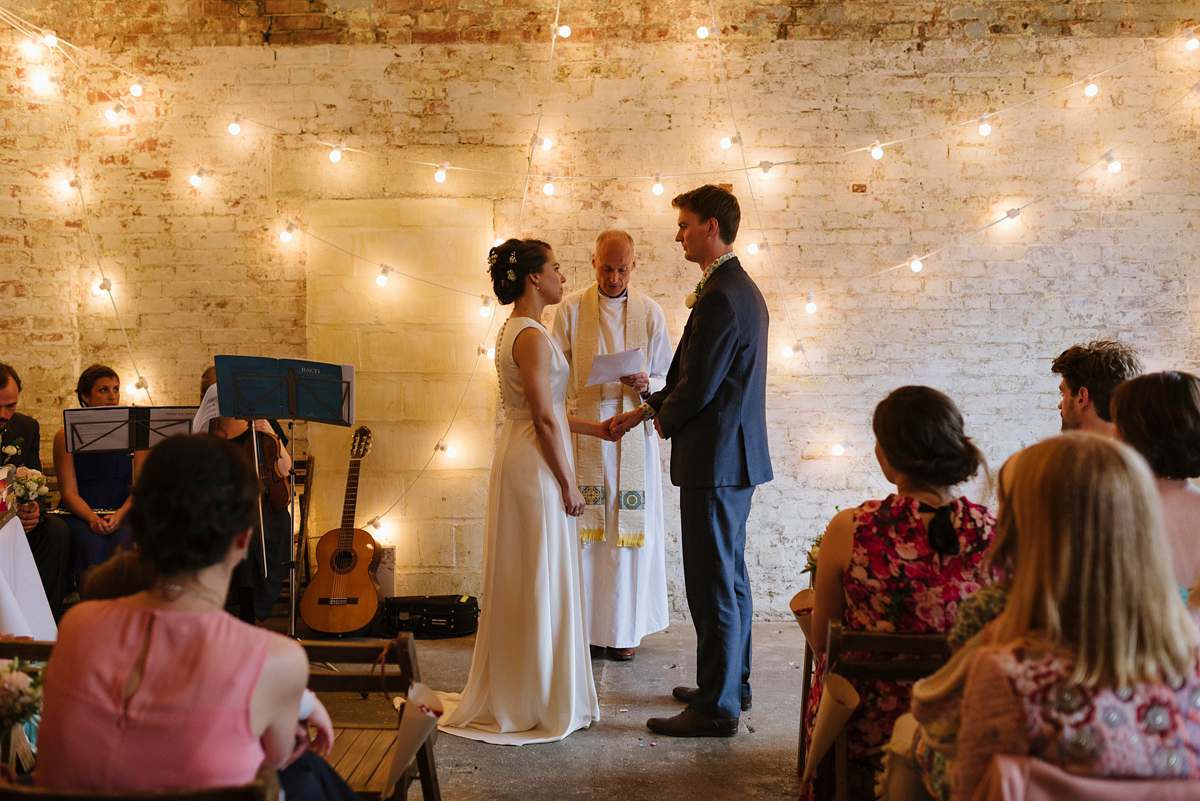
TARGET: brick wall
(201,271)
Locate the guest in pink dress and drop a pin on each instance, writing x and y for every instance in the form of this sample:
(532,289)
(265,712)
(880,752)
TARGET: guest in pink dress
(164,690)
(1093,665)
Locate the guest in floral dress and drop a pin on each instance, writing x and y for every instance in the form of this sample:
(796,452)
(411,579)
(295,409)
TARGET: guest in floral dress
(1093,665)
(900,564)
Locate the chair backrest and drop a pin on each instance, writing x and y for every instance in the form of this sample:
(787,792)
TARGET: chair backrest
(401,661)
(26,650)
(1025,778)
(305,472)
(265,787)
(885,654)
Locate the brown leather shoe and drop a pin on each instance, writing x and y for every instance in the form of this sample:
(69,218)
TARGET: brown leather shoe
(596,651)
(693,723)
(620,654)
(686,694)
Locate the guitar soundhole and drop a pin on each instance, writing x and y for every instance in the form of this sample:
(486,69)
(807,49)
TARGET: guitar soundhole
(343,561)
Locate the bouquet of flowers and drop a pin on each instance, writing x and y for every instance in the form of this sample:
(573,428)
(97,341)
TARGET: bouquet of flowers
(29,484)
(20,695)
(810,561)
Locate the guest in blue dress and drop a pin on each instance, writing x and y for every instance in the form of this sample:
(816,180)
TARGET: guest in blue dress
(95,486)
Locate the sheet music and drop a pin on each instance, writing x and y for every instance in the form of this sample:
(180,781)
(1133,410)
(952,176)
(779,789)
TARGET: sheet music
(99,428)
(209,410)
(167,421)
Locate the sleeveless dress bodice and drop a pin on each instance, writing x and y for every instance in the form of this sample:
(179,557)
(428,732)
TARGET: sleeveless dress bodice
(512,391)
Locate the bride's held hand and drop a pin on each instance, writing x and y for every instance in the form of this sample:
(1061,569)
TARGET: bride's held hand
(573,500)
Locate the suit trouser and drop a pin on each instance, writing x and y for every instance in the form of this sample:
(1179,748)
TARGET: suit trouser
(50,542)
(713,523)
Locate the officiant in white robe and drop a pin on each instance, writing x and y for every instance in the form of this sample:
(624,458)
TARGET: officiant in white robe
(621,530)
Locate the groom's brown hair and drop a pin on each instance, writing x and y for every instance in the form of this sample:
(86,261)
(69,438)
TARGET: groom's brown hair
(713,203)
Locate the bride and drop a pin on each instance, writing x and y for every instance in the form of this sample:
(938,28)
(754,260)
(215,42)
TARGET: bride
(531,674)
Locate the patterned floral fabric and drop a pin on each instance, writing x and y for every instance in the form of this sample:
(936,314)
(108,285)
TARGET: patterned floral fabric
(1018,701)
(896,582)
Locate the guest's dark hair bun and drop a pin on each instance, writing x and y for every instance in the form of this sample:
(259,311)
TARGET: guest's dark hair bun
(510,262)
(921,432)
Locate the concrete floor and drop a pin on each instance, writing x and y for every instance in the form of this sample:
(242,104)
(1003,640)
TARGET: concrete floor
(618,758)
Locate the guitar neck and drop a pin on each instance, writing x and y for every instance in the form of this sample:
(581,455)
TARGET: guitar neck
(346,539)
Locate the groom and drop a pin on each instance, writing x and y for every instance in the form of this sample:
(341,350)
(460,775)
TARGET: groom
(713,408)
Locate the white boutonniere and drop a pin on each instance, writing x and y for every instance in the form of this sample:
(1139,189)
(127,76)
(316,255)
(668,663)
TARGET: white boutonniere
(690,300)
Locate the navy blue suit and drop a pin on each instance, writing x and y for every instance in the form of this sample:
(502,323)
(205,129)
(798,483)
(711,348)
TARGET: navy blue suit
(713,409)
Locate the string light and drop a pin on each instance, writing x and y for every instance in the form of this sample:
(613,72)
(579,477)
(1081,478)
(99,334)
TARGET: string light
(485,305)
(792,349)
(484,350)
(382,278)
(702,32)
(1090,89)
(141,383)
(915,264)
(765,167)
(136,88)
(544,143)
(1113,164)
(235,127)
(375,523)
(840,448)
(31,49)
(755,247)
(985,127)
(440,175)
(498,241)
(446,448)
(1192,42)
(1012,214)
(658,187)
(113,111)
(811,306)
(730,141)
(548,187)
(564,31)
(876,151)
(102,286)
(285,235)
(335,155)
(67,184)
(198,176)
(49,39)
(41,82)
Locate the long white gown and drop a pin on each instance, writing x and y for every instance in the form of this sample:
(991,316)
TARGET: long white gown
(531,673)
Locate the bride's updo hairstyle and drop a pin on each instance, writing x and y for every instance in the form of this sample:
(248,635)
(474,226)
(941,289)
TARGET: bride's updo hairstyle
(509,263)
(920,431)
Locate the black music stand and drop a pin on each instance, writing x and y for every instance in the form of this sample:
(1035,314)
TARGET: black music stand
(254,387)
(98,429)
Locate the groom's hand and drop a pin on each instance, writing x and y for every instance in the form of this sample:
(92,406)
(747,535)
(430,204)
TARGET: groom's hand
(658,428)
(622,423)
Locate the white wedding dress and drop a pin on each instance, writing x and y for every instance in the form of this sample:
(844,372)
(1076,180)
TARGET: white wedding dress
(531,673)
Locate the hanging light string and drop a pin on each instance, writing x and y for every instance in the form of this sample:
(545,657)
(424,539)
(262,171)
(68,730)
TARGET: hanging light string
(1107,159)
(1187,35)
(77,184)
(535,140)
(837,425)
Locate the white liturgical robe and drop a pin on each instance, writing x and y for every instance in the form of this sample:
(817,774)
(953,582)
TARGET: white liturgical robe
(625,588)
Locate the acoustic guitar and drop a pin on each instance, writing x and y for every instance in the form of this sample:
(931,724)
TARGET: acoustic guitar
(344,595)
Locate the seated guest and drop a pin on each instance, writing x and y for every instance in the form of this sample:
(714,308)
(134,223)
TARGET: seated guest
(91,481)
(1093,664)
(49,540)
(163,689)
(1090,373)
(900,564)
(1159,415)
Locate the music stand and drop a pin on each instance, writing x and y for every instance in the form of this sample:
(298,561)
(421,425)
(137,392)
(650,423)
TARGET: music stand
(99,429)
(254,387)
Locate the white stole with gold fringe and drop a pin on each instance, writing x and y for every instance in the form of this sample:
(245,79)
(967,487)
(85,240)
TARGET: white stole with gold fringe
(631,450)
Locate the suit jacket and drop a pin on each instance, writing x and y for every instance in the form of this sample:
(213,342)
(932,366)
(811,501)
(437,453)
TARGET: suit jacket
(713,407)
(24,428)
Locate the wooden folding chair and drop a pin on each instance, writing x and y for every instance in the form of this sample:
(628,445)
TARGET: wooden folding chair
(875,656)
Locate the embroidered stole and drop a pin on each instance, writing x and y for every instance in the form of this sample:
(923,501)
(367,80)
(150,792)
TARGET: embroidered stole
(631,450)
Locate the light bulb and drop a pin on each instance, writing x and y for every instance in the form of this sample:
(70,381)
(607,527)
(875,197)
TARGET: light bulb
(838,449)
(658,187)
(136,88)
(985,127)
(49,39)
(440,175)
(131,388)
(235,127)
(811,306)
(102,286)
(286,234)
(1192,42)
(375,523)
(31,49)
(765,167)
(382,278)
(752,248)
(451,451)
(564,31)
(1012,214)
(546,143)
(791,350)
(915,264)
(335,155)
(446,448)
(491,353)
(41,82)
(730,141)
(485,305)
(67,184)
(113,111)
(1090,89)
(197,177)
(1113,164)
(548,187)
(876,151)
(702,32)
(498,241)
